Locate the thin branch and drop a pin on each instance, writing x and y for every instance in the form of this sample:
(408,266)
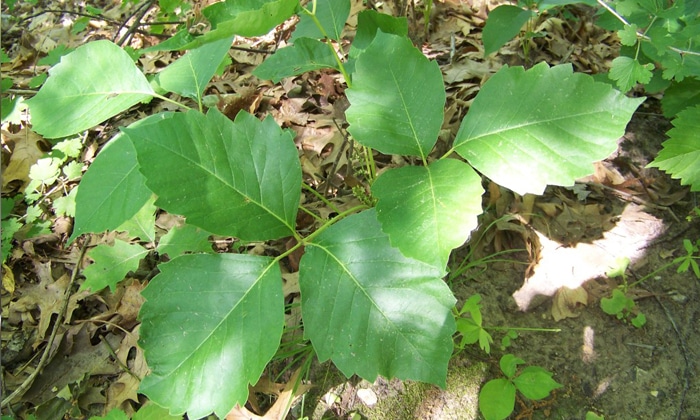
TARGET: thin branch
(642,35)
(57,325)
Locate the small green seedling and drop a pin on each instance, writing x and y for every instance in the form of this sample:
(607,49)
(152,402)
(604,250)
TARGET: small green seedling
(472,329)
(620,304)
(690,259)
(497,397)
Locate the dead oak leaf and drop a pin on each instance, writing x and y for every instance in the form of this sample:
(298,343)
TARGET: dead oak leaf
(47,297)
(286,395)
(25,153)
(126,387)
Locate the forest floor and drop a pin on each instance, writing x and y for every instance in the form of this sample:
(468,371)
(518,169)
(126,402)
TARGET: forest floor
(569,237)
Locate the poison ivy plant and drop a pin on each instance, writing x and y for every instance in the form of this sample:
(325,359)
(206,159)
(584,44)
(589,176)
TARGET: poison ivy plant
(497,396)
(66,105)
(550,127)
(372,296)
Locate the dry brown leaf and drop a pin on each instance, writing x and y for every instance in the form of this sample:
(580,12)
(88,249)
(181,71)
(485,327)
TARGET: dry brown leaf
(130,304)
(566,301)
(47,296)
(126,387)
(286,394)
(8,279)
(24,154)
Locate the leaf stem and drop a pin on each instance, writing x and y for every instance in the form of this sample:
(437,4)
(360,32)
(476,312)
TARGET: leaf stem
(523,329)
(320,197)
(341,67)
(166,99)
(331,222)
(310,213)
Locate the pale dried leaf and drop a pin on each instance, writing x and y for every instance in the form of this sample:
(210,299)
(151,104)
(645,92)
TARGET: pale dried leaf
(286,394)
(566,301)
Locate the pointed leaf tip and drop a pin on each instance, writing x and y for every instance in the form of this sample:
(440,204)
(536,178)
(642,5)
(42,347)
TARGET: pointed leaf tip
(389,111)
(544,126)
(370,309)
(91,84)
(209,326)
(239,178)
(428,211)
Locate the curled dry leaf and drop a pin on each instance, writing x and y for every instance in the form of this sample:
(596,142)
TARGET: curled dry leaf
(286,394)
(566,301)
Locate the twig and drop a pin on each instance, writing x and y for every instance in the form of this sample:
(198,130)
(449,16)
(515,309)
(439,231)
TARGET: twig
(641,35)
(334,168)
(138,15)
(116,358)
(684,350)
(69,12)
(57,325)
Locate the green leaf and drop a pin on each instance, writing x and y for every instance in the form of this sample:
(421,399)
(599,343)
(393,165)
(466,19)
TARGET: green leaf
(680,155)
(485,340)
(372,310)
(389,110)
(527,129)
(248,18)
(469,329)
(680,96)
(184,238)
(112,263)
(331,14)
(70,147)
(189,75)
(210,324)
(152,411)
(429,210)
(7,204)
(628,35)
(37,80)
(627,72)
(371,21)
(45,170)
(91,84)
(65,206)
(142,225)
(639,321)
(112,190)
(509,364)
(503,24)
(535,383)
(497,399)
(114,414)
(239,178)
(73,170)
(305,55)
(617,303)
(8,227)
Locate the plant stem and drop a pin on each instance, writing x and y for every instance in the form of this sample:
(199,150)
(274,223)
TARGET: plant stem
(166,99)
(653,273)
(331,222)
(523,329)
(643,35)
(341,67)
(320,197)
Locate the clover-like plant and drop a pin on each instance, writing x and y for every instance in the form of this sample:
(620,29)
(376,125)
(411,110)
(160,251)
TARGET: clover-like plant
(497,396)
